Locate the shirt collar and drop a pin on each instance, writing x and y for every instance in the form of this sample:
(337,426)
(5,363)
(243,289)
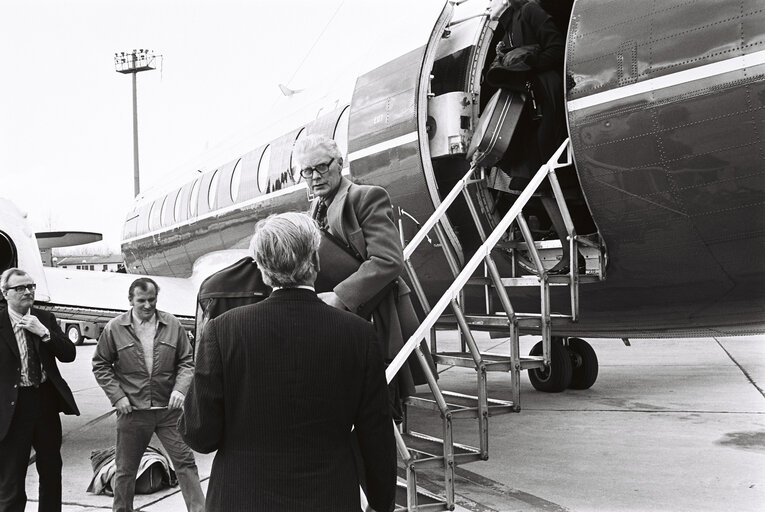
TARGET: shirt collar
(137,321)
(301,286)
(15,317)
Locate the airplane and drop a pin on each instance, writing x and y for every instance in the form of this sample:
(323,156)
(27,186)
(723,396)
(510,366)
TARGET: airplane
(665,119)
(93,297)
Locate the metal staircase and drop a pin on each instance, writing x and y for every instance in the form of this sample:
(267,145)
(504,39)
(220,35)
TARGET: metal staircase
(420,451)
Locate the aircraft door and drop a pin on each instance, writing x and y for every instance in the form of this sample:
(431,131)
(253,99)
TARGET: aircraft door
(388,141)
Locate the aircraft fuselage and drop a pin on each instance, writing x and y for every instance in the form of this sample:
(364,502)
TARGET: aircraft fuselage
(666,123)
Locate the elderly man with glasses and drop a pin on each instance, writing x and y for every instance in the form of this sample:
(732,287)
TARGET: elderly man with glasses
(32,393)
(361,217)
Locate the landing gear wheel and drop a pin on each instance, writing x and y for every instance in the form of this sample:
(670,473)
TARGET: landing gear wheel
(74,334)
(556,377)
(584,362)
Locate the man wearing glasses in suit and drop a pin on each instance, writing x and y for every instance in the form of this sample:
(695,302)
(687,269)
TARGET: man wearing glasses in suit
(32,393)
(361,217)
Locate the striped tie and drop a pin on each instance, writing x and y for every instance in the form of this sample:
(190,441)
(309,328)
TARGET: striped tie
(33,362)
(321,215)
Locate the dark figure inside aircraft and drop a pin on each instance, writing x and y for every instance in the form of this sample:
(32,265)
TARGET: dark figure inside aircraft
(529,61)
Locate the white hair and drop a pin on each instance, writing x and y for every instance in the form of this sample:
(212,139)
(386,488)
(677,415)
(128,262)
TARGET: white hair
(284,246)
(310,142)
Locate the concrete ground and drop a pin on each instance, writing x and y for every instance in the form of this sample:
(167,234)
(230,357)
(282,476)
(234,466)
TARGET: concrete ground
(671,425)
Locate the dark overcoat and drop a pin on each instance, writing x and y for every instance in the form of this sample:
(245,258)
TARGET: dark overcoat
(277,387)
(528,24)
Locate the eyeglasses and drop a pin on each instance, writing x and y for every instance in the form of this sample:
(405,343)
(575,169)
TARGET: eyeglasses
(23,287)
(322,169)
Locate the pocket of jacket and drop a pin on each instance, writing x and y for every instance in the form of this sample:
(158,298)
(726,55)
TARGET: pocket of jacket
(165,355)
(128,359)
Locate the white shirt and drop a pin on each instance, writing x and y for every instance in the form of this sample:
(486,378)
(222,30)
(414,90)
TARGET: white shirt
(146,331)
(302,286)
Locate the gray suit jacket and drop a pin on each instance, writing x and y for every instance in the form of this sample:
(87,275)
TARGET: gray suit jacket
(362,216)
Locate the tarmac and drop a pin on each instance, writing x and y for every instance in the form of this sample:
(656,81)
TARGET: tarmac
(670,425)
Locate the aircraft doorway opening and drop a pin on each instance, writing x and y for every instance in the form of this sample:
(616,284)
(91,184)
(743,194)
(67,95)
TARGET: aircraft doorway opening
(8,254)
(460,96)
(460,103)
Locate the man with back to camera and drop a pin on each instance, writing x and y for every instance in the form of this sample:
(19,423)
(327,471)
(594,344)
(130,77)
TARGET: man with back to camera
(144,364)
(278,386)
(361,216)
(32,393)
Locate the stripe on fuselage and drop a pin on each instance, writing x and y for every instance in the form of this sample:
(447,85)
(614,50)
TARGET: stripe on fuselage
(382,146)
(663,82)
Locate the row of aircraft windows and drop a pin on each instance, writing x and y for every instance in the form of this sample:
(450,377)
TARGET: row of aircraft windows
(158,213)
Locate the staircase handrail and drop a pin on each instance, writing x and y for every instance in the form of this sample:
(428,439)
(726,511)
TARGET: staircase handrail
(453,291)
(436,216)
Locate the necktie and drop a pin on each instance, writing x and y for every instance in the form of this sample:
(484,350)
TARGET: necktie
(321,215)
(33,362)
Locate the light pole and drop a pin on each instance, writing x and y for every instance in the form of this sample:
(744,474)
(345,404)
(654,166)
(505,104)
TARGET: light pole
(132,63)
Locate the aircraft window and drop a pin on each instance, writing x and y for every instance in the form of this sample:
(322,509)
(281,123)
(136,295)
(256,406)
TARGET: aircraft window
(263,169)
(213,190)
(154,216)
(341,133)
(194,198)
(177,206)
(163,211)
(293,165)
(7,252)
(236,178)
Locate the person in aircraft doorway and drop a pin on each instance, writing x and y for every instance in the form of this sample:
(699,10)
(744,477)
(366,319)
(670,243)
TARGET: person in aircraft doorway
(530,59)
(361,217)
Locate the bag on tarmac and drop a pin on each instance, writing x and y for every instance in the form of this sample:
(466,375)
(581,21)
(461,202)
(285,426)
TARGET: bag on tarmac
(154,472)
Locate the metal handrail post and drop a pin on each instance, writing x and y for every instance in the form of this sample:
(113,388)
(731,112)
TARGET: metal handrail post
(529,239)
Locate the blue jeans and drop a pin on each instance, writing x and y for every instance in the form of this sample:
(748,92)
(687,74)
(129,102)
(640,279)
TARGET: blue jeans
(134,432)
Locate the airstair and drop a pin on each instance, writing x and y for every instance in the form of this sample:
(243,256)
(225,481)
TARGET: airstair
(420,451)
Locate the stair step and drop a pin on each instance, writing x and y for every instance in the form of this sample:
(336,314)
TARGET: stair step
(532,280)
(496,322)
(493,362)
(554,280)
(425,500)
(461,406)
(428,451)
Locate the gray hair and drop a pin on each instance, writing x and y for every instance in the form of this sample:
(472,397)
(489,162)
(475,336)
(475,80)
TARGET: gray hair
(283,246)
(9,273)
(313,141)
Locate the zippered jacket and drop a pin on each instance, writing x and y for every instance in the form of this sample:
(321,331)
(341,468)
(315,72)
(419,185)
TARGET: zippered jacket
(120,368)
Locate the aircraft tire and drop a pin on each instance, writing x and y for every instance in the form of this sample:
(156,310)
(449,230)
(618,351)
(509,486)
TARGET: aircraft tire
(557,377)
(74,334)
(584,362)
